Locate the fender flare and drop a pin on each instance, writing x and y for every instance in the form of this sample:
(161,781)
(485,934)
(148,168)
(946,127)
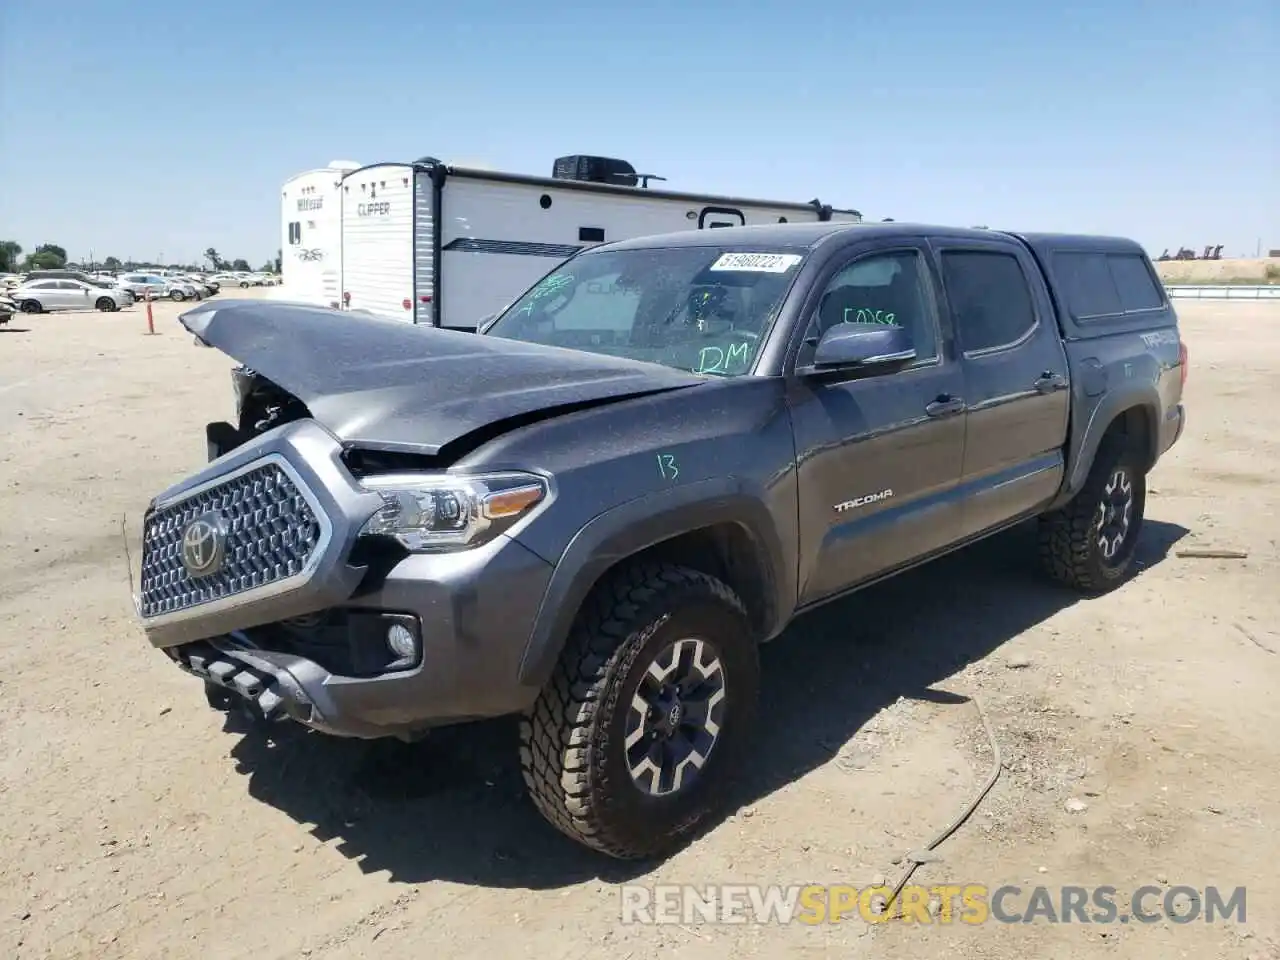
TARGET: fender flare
(631,527)
(1112,406)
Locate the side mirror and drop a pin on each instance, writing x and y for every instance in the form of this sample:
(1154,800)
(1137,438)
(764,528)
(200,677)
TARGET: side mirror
(863,345)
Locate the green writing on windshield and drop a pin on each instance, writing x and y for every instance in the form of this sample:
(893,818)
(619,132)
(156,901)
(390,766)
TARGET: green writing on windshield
(548,286)
(731,359)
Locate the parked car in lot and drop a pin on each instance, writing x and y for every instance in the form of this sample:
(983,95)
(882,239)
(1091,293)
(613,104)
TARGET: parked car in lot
(591,513)
(143,285)
(202,288)
(8,306)
(91,279)
(44,296)
(153,285)
(189,290)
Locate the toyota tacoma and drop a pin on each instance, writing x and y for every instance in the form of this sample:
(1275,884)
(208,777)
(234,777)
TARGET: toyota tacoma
(593,511)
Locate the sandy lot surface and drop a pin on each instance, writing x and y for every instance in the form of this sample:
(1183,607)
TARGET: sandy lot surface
(135,825)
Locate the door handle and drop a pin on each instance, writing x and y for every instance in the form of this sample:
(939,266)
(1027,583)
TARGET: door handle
(945,406)
(1050,381)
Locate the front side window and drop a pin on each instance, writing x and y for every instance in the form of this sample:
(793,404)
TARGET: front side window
(704,309)
(888,288)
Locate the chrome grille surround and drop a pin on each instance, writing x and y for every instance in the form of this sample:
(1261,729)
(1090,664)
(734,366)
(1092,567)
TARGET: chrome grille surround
(276,532)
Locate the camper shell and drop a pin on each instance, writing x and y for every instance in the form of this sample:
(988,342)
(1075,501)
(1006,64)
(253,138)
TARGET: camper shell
(427,242)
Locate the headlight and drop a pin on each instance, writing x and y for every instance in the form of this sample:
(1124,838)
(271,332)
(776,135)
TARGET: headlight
(439,512)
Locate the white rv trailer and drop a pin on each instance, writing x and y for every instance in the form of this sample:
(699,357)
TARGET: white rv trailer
(431,243)
(310,243)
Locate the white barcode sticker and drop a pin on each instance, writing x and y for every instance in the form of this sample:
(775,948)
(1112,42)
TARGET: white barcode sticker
(757,262)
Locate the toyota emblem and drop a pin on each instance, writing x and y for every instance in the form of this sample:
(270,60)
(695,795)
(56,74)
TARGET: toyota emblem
(204,543)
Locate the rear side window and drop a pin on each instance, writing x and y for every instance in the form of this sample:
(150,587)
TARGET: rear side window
(1098,285)
(990,299)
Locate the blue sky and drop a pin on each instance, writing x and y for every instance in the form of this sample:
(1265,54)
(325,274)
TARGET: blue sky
(146,128)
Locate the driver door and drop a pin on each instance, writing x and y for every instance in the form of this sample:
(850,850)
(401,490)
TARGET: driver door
(880,454)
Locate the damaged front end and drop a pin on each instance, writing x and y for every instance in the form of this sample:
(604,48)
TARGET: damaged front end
(329,564)
(307,580)
(265,532)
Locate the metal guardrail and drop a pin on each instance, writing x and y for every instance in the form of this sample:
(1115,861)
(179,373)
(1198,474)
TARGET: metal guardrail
(1222,291)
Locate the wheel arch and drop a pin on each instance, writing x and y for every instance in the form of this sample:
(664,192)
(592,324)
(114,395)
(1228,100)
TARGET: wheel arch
(716,526)
(1132,416)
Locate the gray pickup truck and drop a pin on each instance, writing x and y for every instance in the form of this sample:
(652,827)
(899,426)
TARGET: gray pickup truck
(593,511)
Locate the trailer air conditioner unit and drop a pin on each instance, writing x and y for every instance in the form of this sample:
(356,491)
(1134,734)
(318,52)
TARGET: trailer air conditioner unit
(595,170)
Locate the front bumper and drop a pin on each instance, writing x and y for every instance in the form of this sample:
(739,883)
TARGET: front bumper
(474,609)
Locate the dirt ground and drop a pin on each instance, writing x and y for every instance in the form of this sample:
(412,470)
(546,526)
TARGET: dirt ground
(1138,731)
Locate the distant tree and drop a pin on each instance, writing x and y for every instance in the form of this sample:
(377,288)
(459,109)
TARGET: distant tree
(268,267)
(10,251)
(55,250)
(215,260)
(44,260)
(278,259)
(111,263)
(240,265)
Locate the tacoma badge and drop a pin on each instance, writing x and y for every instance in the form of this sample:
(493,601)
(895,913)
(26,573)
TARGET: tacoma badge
(863,501)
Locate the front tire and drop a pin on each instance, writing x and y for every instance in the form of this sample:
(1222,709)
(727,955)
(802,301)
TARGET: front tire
(627,748)
(177,296)
(31,306)
(1089,543)
(106,304)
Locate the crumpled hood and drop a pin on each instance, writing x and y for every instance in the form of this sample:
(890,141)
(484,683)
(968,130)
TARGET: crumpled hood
(390,385)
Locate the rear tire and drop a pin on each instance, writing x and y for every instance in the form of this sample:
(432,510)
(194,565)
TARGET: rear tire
(628,747)
(1089,543)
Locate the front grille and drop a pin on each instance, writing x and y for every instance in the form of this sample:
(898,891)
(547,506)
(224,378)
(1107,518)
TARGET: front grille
(269,534)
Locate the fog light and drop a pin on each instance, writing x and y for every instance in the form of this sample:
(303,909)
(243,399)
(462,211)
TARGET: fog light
(400,642)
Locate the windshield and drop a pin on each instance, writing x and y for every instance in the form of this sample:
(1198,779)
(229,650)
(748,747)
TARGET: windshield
(702,309)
